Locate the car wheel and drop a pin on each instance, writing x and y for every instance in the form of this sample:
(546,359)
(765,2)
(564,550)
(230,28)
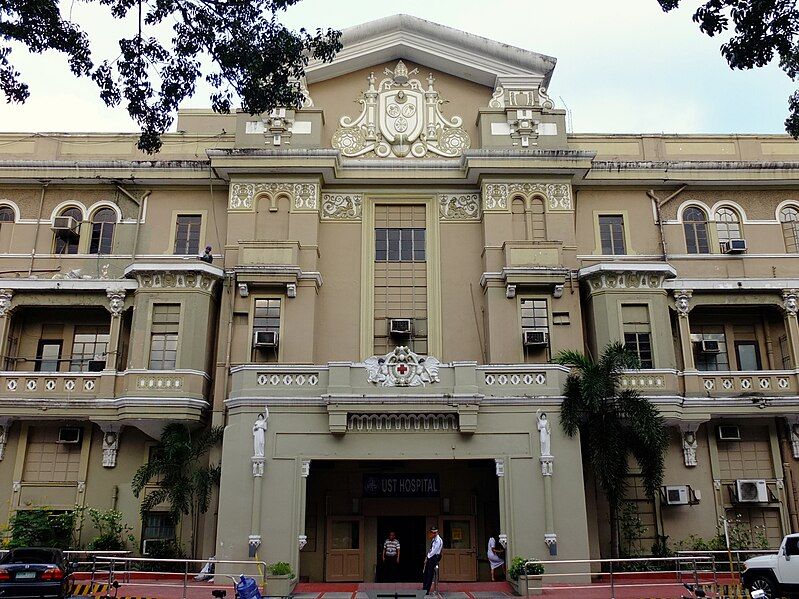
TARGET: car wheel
(765,584)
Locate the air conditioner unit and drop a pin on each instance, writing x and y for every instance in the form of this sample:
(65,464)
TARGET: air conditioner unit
(709,346)
(535,338)
(69,435)
(677,495)
(265,339)
(729,432)
(751,491)
(734,246)
(64,223)
(96,365)
(400,326)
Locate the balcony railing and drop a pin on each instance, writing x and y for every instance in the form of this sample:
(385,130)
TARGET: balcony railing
(760,383)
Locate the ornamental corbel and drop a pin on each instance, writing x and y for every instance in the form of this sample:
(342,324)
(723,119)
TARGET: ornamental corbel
(253,543)
(5,425)
(499,467)
(6,296)
(116,300)
(503,540)
(689,443)
(790,301)
(682,301)
(305,469)
(302,541)
(110,444)
(793,432)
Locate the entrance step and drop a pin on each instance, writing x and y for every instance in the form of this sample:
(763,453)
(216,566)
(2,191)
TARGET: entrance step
(449,590)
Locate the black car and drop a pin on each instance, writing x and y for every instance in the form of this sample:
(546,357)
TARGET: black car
(34,573)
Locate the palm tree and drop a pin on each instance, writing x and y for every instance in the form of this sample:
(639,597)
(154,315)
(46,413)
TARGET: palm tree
(182,481)
(614,425)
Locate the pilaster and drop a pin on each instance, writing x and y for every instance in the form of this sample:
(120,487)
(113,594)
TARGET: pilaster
(682,299)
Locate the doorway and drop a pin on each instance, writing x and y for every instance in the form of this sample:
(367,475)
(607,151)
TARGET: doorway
(410,531)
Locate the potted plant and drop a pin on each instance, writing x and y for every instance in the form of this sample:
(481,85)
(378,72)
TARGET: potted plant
(529,576)
(280,580)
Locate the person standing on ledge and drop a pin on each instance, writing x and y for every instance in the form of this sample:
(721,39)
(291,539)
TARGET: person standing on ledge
(391,557)
(432,559)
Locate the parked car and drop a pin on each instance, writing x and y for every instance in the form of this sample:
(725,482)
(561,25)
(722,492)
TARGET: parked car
(35,573)
(775,575)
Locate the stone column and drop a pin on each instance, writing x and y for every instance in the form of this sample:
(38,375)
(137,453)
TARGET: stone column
(550,537)
(504,524)
(254,540)
(302,538)
(116,303)
(682,298)
(790,299)
(6,296)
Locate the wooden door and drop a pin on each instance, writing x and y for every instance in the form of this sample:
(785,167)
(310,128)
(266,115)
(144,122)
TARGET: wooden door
(459,556)
(344,553)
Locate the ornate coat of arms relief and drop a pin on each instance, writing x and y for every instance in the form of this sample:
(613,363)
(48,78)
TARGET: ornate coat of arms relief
(400,118)
(402,368)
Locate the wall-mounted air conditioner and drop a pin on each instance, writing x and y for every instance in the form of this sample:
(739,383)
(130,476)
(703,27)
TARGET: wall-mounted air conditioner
(400,327)
(734,246)
(677,495)
(265,339)
(64,223)
(751,491)
(69,435)
(709,346)
(729,432)
(535,338)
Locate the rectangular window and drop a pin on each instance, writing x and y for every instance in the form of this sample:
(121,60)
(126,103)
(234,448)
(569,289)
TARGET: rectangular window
(164,336)
(158,526)
(266,318)
(748,355)
(611,235)
(187,234)
(48,355)
(89,348)
(784,352)
(399,245)
(534,315)
(638,332)
(711,356)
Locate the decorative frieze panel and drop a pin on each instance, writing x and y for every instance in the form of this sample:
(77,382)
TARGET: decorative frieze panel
(159,383)
(459,206)
(50,385)
(275,379)
(503,379)
(402,368)
(626,280)
(303,196)
(402,422)
(341,206)
(400,118)
(496,196)
(643,381)
(175,280)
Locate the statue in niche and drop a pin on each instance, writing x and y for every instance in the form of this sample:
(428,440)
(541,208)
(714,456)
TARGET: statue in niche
(689,445)
(259,434)
(545,433)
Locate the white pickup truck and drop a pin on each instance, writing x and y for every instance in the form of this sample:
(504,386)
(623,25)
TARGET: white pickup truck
(775,575)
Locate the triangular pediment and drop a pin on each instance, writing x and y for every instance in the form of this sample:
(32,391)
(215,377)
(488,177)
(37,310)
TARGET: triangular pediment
(437,47)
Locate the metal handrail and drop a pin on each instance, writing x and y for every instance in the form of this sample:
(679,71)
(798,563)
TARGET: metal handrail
(698,567)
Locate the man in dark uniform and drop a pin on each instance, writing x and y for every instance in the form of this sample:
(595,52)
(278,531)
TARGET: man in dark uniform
(432,559)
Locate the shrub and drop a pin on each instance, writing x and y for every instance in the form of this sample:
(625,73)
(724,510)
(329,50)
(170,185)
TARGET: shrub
(534,568)
(167,549)
(280,569)
(111,531)
(42,527)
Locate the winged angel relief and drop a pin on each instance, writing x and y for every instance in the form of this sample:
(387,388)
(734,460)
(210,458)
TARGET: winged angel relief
(399,118)
(402,368)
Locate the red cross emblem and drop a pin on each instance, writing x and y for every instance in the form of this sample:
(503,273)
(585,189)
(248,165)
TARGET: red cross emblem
(402,369)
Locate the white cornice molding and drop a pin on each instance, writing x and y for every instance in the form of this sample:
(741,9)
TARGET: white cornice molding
(625,267)
(99,285)
(162,267)
(435,46)
(732,284)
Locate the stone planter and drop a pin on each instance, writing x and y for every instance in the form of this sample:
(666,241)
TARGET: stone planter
(533,583)
(280,586)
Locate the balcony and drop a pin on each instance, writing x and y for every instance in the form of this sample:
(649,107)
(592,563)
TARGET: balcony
(107,395)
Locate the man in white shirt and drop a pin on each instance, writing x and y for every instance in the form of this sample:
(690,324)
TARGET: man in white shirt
(432,559)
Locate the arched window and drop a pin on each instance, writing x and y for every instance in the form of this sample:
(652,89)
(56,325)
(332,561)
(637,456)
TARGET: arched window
(6,214)
(538,218)
(518,219)
(695,226)
(789,217)
(103,222)
(67,240)
(728,224)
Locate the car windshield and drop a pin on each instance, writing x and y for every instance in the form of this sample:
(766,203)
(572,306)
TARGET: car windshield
(32,556)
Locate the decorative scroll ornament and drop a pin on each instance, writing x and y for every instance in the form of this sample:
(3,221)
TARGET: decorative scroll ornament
(496,196)
(461,206)
(341,206)
(5,301)
(402,422)
(303,196)
(399,117)
(402,368)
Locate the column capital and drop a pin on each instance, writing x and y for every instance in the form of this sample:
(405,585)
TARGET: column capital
(6,296)
(682,301)
(790,301)
(305,469)
(116,300)
(499,466)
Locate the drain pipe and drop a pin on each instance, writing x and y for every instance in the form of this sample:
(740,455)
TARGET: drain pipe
(38,226)
(140,203)
(658,204)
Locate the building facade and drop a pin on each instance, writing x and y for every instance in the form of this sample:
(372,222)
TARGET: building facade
(395,264)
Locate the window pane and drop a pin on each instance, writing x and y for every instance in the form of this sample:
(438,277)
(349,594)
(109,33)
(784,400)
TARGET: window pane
(48,356)
(6,214)
(187,234)
(748,356)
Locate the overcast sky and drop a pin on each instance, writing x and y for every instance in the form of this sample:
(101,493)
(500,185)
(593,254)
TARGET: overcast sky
(623,65)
